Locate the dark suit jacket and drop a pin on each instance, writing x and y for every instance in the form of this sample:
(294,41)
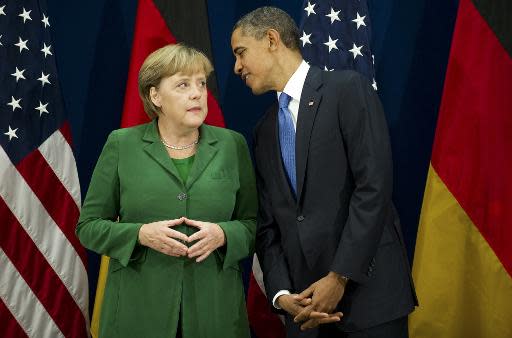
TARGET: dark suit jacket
(342,218)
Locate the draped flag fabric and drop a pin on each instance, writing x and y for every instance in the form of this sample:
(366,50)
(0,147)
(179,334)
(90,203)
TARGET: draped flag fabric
(335,35)
(43,276)
(159,23)
(463,259)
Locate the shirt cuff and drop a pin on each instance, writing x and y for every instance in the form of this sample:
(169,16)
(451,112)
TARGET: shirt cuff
(280,293)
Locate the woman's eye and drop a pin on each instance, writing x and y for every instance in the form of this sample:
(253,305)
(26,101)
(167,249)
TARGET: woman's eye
(183,85)
(203,83)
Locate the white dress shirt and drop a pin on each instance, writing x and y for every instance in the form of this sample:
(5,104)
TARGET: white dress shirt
(294,89)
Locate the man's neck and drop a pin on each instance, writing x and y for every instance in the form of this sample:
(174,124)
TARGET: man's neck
(288,64)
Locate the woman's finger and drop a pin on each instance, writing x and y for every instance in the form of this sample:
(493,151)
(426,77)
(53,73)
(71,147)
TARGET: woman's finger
(177,235)
(174,222)
(194,223)
(197,236)
(203,257)
(197,249)
(177,246)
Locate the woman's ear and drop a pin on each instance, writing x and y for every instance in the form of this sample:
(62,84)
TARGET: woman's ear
(154,96)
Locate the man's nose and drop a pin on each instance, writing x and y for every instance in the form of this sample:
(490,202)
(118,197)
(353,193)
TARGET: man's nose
(237,67)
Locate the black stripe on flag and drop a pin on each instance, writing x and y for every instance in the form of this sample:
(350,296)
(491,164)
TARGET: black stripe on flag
(188,22)
(498,14)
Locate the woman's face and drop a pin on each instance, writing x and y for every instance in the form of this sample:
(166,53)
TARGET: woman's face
(182,99)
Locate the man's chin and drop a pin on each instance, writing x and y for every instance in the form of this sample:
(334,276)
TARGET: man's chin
(257,91)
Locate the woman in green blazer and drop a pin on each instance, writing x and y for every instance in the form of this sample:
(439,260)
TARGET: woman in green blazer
(173,204)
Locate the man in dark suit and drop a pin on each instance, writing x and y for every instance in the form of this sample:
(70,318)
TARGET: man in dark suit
(328,239)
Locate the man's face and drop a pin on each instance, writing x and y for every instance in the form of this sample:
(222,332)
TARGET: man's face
(253,61)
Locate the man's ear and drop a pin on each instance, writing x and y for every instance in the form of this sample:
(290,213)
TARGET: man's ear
(274,39)
(154,96)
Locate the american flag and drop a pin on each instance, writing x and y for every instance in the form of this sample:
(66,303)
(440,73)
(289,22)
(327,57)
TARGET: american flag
(335,35)
(43,277)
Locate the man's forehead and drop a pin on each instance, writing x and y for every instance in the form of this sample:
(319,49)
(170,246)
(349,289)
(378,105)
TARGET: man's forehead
(239,39)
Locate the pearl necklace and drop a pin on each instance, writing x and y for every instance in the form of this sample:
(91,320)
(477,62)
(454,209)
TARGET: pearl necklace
(170,146)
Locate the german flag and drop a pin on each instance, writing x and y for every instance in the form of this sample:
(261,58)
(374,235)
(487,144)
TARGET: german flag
(463,259)
(159,23)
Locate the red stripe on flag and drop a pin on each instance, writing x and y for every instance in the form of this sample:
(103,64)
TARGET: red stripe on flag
(53,195)
(9,327)
(151,33)
(263,321)
(40,276)
(473,137)
(214,117)
(65,130)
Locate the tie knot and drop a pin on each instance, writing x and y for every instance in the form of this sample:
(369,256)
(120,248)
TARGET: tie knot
(284,100)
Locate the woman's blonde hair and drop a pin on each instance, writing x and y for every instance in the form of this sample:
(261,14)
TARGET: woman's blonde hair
(167,61)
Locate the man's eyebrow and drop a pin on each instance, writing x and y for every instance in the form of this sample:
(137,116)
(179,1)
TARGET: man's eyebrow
(238,49)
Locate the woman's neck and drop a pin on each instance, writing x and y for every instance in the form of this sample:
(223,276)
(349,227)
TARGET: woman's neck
(179,143)
(177,136)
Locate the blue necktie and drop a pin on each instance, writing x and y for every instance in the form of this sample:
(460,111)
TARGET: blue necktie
(287,139)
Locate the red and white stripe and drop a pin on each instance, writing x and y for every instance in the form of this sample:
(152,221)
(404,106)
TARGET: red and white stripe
(43,283)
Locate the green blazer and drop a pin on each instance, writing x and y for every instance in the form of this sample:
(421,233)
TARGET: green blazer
(136,182)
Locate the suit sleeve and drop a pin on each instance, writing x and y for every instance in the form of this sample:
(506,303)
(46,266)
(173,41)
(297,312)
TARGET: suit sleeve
(240,231)
(268,240)
(365,133)
(97,227)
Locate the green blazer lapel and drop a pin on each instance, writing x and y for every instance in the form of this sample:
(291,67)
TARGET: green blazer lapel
(156,149)
(206,151)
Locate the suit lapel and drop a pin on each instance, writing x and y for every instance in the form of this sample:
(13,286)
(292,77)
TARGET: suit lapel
(308,108)
(155,149)
(206,151)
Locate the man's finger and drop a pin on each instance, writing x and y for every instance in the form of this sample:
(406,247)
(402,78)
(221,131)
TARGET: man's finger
(305,301)
(312,323)
(332,319)
(306,293)
(303,315)
(318,315)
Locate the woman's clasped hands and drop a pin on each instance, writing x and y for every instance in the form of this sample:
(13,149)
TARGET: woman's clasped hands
(161,237)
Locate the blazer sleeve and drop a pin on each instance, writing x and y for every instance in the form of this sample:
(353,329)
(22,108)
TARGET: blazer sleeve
(240,230)
(97,228)
(365,134)
(268,241)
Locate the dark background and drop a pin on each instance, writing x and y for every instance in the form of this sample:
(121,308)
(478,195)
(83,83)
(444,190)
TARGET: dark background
(411,41)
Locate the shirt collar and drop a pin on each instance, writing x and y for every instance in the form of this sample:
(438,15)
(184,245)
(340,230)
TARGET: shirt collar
(296,82)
